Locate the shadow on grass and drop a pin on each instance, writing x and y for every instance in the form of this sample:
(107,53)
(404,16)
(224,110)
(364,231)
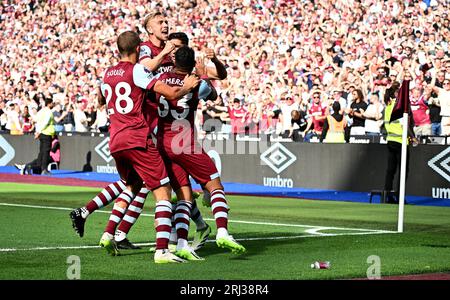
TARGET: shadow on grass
(254,247)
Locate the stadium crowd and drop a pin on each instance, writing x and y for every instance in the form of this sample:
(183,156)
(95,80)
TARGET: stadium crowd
(287,61)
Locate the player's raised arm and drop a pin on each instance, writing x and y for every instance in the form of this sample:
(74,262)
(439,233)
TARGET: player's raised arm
(145,79)
(219,71)
(145,56)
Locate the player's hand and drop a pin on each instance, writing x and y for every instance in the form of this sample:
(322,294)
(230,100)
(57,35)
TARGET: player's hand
(191,81)
(200,68)
(36,135)
(168,48)
(210,54)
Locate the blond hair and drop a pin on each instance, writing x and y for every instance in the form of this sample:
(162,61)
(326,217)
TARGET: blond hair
(150,17)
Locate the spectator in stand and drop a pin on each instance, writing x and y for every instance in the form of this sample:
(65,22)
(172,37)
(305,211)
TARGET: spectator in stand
(80,118)
(373,116)
(389,60)
(444,101)
(299,122)
(356,111)
(252,119)
(27,122)
(420,113)
(333,126)
(13,123)
(268,120)
(215,113)
(287,107)
(101,121)
(59,115)
(317,114)
(91,115)
(237,115)
(289,44)
(337,97)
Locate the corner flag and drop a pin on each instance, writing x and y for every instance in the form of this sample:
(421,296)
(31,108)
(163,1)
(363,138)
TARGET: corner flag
(402,103)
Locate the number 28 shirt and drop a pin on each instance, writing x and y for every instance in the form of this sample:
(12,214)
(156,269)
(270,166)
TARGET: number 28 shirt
(124,88)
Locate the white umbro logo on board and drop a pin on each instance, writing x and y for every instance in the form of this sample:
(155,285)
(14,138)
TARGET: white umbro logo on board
(278,157)
(102,149)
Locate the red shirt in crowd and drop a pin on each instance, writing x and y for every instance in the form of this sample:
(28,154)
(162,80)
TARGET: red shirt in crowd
(420,111)
(315,111)
(236,116)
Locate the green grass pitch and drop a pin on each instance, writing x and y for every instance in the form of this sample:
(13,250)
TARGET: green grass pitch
(283,237)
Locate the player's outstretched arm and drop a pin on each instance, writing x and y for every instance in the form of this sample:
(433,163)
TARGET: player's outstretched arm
(171,93)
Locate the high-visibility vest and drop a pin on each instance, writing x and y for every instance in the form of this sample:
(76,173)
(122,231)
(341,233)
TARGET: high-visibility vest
(335,133)
(49,129)
(394,129)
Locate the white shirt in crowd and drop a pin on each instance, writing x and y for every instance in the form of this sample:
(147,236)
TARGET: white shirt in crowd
(80,120)
(373,111)
(286,111)
(444,100)
(102,117)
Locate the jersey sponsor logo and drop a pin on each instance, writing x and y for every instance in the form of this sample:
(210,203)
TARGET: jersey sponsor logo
(441,165)
(9,152)
(165,69)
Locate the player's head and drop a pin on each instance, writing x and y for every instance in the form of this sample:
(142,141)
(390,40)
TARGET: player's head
(128,43)
(178,39)
(185,59)
(157,26)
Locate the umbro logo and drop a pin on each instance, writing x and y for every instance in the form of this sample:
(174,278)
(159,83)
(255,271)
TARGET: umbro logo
(441,163)
(278,157)
(102,149)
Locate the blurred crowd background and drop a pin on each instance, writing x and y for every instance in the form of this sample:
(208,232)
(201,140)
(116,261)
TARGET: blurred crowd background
(287,61)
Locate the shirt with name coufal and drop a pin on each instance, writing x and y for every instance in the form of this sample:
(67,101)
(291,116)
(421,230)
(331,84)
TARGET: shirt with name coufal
(124,88)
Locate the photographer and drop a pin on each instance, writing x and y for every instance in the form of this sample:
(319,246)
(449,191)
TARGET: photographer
(299,120)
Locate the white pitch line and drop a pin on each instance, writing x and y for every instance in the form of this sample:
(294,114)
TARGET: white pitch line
(313,228)
(208,241)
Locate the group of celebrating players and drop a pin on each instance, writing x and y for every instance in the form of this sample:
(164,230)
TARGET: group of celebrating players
(153,144)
